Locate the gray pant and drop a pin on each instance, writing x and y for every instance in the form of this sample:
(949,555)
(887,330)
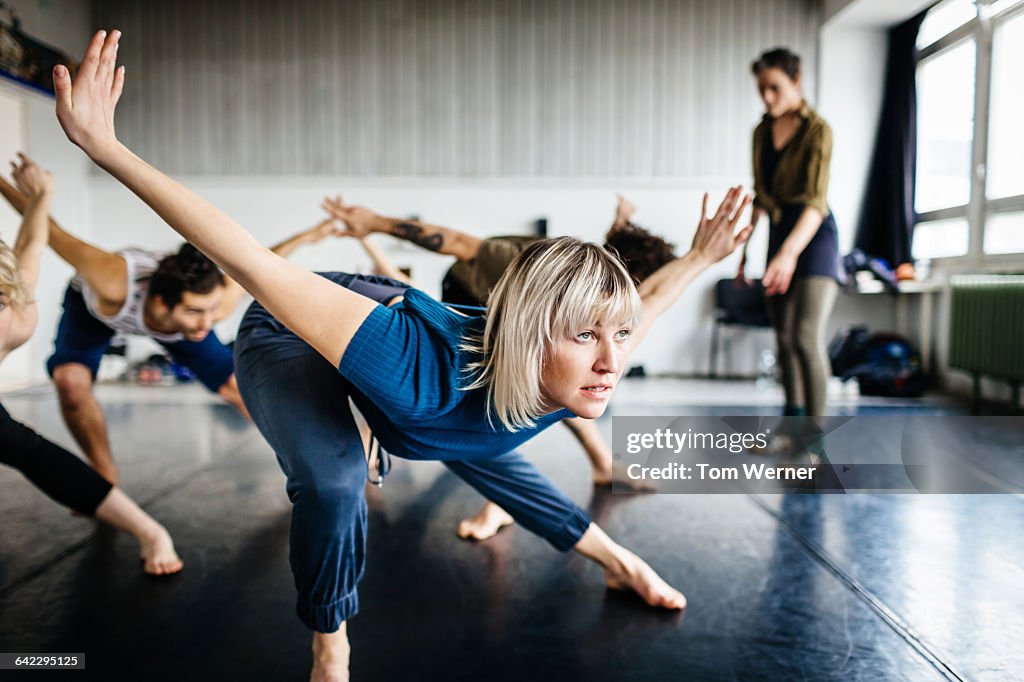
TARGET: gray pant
(799,317)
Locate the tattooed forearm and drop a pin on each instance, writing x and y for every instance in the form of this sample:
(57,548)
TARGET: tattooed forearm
(415,234)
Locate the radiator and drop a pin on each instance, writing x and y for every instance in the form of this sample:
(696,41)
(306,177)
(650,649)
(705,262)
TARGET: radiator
(986,327)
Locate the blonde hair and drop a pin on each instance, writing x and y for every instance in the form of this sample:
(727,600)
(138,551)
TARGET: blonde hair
(553,290)
(10,277)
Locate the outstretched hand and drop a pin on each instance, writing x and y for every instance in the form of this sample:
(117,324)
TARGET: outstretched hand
(716,236)
(85,107)
(359,221)
(29,178)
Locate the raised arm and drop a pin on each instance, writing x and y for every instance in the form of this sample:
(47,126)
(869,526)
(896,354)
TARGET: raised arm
(361,222)
(716,238)
(37,186)
(233,291)
(322,313)
(104,271)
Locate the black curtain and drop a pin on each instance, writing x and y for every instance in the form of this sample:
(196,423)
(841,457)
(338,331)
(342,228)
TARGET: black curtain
(887,215)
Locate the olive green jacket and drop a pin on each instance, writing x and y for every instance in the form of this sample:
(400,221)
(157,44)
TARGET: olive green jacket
(802,174)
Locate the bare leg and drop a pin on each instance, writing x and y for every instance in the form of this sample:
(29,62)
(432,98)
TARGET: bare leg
(84,418)
(157,549)
(330,656)
(624,570)
(229,392)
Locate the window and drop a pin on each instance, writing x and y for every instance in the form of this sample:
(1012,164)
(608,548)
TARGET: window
(1004,233)
(945,128)
(1006,132)
(943,19)
(941,238)
(970,197)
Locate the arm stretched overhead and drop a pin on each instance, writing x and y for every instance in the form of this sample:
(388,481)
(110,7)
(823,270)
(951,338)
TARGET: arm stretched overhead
(104,271)
(29,245)
(322,313)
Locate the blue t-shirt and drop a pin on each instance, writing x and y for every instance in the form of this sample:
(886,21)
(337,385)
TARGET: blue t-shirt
(406,367)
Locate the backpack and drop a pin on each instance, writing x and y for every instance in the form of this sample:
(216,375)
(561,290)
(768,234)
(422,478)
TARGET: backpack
(888,365)
(847,349)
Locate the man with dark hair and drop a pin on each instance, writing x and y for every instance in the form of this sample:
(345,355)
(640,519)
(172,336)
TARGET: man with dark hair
(480,264)
(173,299)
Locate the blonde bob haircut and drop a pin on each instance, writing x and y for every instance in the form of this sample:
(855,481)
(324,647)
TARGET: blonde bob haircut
(10,277)
(554,289)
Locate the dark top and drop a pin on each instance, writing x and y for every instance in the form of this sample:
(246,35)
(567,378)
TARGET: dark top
(478,276)
(789,179)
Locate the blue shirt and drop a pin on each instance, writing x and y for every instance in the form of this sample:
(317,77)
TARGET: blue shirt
(406,367)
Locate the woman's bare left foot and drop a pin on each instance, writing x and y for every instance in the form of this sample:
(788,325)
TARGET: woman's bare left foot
(486,524)
(158,555)
(636,576)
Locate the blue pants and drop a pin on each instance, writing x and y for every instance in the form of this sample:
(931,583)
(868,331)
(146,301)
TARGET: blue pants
(300,404)
(82,339)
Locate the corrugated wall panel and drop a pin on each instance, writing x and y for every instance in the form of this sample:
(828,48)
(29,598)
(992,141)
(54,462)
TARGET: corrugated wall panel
(474,88)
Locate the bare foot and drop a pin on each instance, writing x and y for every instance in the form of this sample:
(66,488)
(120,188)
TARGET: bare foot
(485,524)
(617,474)
(158,555)
(330,656)
(624,211)
(636,576)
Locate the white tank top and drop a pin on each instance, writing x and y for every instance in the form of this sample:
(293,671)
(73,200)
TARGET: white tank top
(129,319)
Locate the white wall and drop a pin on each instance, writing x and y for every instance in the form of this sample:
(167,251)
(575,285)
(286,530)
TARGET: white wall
(64,24)
(852,77)
(449,88)
(546,104)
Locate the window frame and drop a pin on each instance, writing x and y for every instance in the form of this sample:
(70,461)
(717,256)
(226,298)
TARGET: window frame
(979,207)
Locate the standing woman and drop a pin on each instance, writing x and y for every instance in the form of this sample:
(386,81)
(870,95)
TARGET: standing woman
(792,150)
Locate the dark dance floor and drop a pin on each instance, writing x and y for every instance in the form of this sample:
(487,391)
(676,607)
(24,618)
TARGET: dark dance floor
(831,587)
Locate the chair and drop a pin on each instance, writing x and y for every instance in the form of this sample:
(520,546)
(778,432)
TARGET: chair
(736,306)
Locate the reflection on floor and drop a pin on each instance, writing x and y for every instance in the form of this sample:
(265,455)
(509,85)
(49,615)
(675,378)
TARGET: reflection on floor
(780,587)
